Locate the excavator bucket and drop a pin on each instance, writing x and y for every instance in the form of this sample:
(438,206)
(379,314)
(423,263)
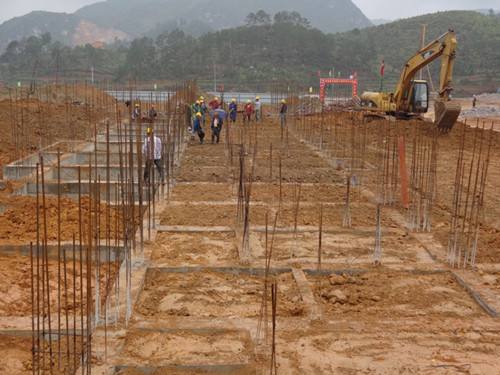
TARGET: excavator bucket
(446,114)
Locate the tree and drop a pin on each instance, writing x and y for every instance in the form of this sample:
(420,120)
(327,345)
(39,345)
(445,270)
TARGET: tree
(174,50)
(46,39)
(262,18)
(294,18)
(141,58)
(12,51)
(251,19)
(258,19)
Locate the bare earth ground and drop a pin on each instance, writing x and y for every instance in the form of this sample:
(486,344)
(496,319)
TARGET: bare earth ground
(18,220)
(198,313)
(212,294)
(199,305)
(15,296)
(53,113)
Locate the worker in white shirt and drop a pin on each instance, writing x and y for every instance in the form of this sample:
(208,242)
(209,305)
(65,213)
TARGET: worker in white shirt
(258,109)
(151,149)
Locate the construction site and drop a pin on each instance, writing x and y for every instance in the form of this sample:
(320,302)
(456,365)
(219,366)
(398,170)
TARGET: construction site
(360,236)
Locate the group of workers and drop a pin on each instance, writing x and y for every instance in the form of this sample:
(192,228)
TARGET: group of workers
(217,114)
(152,146)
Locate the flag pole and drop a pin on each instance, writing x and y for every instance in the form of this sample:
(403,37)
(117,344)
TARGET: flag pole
(382,71)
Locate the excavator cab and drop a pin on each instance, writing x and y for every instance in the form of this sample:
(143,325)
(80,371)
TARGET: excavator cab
(419,97)
(415,99)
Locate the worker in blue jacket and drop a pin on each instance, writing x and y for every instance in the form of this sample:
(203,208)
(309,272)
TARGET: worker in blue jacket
(197,127)
(233,110)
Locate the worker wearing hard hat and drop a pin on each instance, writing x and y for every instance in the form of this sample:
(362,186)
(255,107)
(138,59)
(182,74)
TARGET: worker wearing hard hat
(195,108)
(233,110)
(248,111)
(258,109)
(136,113)
(214,103)
(283,112)
(152,152)
(197,127)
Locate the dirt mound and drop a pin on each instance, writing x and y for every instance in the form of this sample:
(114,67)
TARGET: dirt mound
(29,122)
(18,221)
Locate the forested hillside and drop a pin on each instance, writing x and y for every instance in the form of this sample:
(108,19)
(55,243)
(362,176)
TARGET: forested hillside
(478,43)
(69,29)
(287,48)
(139,17)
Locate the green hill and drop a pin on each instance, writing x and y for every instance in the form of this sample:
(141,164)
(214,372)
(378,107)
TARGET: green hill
(68,29)
(122,19)
(59,25)
(290,51)
(478,44)
(286,51)
(138,17)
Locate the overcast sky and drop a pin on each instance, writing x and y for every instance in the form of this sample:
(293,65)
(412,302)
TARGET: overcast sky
(387,9)
(392,9)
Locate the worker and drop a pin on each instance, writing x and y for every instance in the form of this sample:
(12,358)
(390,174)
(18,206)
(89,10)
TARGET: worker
(283,112)
(258,109)
(474,101)
(248,111)
(216,127)
(214,103)
(152,113)
(151,149)
(196,107)
(136,113)
(221,112)
(233,110)
(204,110)
(197,127)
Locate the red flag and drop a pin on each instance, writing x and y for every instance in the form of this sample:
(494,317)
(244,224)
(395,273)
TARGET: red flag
(382,68)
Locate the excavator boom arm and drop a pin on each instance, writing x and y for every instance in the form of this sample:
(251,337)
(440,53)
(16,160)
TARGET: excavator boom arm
(444,46)
(409,96)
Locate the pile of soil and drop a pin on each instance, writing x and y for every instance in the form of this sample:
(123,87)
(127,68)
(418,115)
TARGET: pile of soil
(50,115)
(15,291)
(18,222)
(382,294)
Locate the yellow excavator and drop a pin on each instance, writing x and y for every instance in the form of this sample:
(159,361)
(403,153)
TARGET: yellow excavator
(411,97)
